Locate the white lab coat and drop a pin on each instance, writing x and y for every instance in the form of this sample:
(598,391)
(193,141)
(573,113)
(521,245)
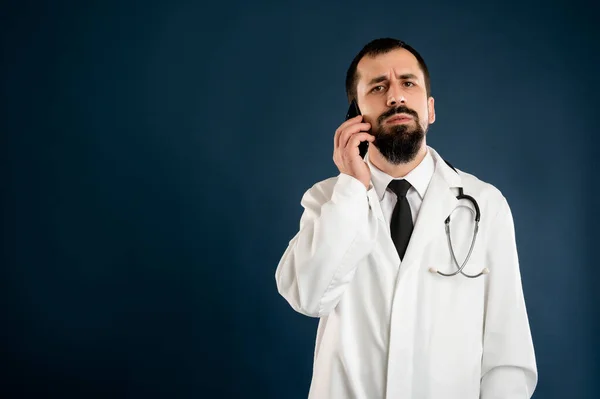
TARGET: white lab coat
(392,329)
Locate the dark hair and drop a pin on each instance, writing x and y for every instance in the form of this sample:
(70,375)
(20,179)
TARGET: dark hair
(376,47)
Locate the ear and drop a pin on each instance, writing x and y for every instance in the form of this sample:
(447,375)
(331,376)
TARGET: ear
(431,109)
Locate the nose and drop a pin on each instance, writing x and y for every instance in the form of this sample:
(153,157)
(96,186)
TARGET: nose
(395,97)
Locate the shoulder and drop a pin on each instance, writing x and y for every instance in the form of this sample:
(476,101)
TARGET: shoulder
(478,185)
(472,185)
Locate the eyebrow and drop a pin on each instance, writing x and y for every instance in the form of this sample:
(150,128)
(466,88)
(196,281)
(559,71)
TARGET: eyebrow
(384,78)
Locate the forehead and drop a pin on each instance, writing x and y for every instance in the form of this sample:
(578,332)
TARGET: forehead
(400,61)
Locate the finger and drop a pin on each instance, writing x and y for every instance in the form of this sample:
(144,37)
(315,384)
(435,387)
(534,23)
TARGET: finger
(351,121)
(341,128)
(358,138)
(353,129)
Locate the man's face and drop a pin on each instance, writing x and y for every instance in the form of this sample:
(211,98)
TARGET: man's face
(392,97)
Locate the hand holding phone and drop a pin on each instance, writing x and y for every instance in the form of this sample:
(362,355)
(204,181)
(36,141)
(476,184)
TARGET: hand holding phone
(347,155)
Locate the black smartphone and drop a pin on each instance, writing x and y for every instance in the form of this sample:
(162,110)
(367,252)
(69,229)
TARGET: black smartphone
(353,111)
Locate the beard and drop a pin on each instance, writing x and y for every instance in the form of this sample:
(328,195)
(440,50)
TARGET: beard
(399,143)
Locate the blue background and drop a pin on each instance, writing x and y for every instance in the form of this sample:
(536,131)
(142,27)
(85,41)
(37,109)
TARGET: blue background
(154,154)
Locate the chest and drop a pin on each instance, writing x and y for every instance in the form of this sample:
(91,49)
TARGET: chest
(382,276)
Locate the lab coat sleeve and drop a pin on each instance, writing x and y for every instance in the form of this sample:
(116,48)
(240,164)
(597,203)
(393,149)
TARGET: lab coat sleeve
(337,230)
(508,365)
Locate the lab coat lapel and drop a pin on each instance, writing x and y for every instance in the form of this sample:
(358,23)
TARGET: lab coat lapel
(439,201)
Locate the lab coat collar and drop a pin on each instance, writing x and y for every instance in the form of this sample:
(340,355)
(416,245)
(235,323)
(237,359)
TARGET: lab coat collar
(448,174)
(419,177)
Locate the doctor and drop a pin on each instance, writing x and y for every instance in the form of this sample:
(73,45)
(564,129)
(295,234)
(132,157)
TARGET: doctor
(369,244)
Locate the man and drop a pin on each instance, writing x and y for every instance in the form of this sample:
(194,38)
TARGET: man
(373,239)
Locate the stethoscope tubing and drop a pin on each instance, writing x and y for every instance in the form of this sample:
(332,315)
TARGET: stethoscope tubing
(460,268)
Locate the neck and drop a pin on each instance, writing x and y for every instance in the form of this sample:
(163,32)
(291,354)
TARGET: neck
(396,171)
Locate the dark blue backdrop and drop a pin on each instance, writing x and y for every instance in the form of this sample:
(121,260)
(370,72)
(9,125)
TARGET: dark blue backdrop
(155,153)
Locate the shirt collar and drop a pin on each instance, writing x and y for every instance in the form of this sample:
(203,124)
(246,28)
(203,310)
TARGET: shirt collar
(419,177)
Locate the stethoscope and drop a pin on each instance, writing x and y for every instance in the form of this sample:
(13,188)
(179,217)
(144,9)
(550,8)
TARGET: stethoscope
(462,195)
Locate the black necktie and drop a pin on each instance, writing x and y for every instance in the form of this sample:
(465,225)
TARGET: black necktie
(401,225)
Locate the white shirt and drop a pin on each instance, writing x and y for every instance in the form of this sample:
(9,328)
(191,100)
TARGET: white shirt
(419,179)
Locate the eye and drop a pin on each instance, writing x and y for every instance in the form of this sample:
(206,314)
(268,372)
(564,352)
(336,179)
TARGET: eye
(409,84)
(377,88)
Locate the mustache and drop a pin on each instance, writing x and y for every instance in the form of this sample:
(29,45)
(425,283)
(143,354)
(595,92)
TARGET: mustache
(398,110)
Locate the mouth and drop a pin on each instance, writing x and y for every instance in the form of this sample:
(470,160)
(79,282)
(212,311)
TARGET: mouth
(399,118)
